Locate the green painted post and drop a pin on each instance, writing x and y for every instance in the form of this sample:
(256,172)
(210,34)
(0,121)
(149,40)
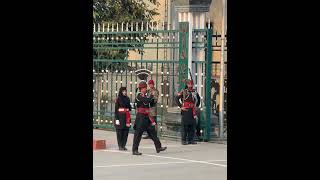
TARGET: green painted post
(208,83)
(183,52)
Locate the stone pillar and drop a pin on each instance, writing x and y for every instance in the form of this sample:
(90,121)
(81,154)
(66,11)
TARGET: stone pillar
(194,11)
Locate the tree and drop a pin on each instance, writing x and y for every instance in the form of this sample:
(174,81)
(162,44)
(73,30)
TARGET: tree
(115,11)
(118,11)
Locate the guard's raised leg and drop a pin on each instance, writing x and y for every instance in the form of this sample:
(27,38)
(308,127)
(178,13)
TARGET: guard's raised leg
(152,134)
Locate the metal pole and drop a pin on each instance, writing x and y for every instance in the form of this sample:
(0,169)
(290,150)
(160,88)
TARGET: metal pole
(208,85)
(190,20)
(221,113)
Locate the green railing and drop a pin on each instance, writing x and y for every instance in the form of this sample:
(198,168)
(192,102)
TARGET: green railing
(123,58)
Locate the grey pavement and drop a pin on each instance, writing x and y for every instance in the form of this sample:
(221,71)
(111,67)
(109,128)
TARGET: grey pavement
(203,160)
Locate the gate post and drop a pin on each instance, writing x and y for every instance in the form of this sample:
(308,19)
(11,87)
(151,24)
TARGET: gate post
(183,52)
(208,83)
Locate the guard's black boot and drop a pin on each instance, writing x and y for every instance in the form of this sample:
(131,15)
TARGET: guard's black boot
(136,153)
(184,143)
(193,142)
(125,149)
(161,149)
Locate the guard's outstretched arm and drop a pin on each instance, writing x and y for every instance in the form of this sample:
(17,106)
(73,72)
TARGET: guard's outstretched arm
(145,99)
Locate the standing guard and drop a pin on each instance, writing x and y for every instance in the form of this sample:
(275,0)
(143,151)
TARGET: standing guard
(190,100)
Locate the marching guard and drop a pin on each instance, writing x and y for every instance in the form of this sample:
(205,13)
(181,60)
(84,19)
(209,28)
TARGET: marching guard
(144,121)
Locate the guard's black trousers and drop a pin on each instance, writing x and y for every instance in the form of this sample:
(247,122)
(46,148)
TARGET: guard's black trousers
(152,134)
(122,136)
(187,133)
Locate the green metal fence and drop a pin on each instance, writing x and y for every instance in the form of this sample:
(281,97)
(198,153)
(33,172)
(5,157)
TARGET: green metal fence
(126,54)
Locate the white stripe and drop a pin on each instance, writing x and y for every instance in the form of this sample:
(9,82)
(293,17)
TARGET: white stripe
(124,152)
(146,164)
(166,157)
(217,160)
(152,147)
(189,160)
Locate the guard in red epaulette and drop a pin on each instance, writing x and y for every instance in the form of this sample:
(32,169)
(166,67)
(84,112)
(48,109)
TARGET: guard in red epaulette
(190,99)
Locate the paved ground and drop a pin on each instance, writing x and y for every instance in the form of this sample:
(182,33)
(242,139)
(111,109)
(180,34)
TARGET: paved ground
(201,161)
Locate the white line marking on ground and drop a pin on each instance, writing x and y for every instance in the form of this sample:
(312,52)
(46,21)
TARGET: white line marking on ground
(216,160)
(166,157)
(152,147)
(182,159)
(124,152)
(145,164)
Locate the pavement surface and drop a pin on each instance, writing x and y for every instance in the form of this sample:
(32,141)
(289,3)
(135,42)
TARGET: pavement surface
(201,161)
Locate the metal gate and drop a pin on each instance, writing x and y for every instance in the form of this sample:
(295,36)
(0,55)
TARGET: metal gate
(126,53)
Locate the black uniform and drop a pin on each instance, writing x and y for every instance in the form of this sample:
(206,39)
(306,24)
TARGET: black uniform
(188,122)
(198,126)
(153,108)
(143,123)
(122,102)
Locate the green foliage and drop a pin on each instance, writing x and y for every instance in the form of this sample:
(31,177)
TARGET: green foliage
(115,11)
(118,11)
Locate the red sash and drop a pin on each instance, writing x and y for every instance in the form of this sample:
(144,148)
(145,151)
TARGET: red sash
(125,110)
(187,104)
(146,112)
